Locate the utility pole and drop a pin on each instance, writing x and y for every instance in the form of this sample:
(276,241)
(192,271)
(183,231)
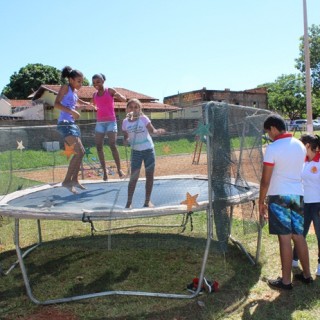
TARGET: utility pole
(307,66)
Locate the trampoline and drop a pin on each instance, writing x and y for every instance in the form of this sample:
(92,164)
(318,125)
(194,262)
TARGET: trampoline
(233,139)
(105,201)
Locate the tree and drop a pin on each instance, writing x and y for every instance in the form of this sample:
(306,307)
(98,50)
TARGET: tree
(286,96)
(314,47)
(30,78)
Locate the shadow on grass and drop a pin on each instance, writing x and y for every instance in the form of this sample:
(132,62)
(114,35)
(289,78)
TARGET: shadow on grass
(294,304)
(163,263)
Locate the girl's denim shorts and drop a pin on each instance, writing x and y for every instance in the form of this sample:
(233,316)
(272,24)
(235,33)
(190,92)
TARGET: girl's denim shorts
(106,126)
(145,156)
(68,128)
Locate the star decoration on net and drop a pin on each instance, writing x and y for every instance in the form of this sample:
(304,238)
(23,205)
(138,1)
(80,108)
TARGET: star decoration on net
(202,131)
(166,149)
(191,201)
(87,151)
(68,150)
(20,145)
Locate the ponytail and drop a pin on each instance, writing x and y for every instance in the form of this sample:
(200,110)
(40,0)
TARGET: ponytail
(68,72)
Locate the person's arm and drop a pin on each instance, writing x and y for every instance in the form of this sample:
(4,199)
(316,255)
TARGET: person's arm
(57,104)
(85,105)
(264,186)
(153,130)
(117,95)
(125,133)
(125,138)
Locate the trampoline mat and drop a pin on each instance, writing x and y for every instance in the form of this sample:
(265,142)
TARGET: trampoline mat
(106,200)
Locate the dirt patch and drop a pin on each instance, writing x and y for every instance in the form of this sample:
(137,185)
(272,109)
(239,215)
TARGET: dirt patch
(167,165)
(48,313)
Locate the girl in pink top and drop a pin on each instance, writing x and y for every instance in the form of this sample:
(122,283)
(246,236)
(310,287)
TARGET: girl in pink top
(103,101)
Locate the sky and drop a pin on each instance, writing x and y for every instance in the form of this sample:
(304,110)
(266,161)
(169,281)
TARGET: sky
(157,47)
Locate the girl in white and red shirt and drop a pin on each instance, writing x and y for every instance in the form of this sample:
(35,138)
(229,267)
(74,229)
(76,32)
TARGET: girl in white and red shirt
(311,185)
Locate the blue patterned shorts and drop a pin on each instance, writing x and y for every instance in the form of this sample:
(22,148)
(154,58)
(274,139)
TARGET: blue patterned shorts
(285,214)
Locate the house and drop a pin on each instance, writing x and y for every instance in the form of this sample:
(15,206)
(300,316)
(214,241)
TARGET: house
(191,102)
(20,109)
(27,109)
(46,95)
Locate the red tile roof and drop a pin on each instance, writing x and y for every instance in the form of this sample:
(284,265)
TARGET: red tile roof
(20,103)
(150,106)
(86,92)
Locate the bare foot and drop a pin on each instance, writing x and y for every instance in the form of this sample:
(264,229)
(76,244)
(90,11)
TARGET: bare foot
(128,205)
(70,187)
(121,174)
(148,204)
(79,185)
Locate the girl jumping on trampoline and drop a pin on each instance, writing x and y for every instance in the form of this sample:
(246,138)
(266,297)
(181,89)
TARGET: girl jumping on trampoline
(137,128)
(66,102)
(103,101)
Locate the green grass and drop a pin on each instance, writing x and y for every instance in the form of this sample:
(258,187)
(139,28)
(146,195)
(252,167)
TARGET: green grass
(31,159)
(26,160)
(71,262)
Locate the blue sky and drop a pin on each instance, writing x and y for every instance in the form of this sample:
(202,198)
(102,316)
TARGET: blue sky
(157,47)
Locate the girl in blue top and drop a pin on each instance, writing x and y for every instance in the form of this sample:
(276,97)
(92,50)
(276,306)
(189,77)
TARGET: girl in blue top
(66,102)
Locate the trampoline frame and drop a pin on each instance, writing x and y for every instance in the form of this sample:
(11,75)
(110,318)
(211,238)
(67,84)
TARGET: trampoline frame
(209,236)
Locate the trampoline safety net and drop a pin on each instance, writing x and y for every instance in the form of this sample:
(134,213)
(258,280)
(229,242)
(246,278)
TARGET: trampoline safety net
(235,156)
(205,185)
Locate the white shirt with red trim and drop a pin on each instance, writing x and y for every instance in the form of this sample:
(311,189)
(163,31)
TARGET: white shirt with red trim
(287,156)
(311,180)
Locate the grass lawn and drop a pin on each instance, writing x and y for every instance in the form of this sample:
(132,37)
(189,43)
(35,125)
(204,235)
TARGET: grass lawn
(71,262)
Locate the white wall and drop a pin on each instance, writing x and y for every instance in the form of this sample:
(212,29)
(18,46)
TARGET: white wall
(5,108)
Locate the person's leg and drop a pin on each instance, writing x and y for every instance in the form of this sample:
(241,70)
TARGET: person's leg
(286,257)
(303,253)
(316,224)
(307,215)
(280,225)
(149,187)
(77,160)
(132,186)
(136,163)
(112,139)
(99,139)
(299,230)
(149,163)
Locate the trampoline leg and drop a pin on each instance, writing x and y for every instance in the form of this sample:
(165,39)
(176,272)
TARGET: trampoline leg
(260,226)
(236,242)
(241,247)
(21,262)
(26,252)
